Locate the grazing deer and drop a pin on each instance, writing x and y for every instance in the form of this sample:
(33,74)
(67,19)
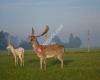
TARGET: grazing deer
(46,51)
(18,53)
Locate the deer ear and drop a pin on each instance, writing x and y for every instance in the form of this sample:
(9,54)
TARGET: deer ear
(10,42)
(46,29)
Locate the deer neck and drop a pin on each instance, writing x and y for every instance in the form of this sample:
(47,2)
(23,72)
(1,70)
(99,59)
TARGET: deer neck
(12,50)
(36,45)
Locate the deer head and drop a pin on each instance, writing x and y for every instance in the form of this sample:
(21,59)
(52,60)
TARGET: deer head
(9,44)
(34,37)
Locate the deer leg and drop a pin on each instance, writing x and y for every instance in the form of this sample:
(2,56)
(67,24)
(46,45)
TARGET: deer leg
(41,62)
(15,60)
(44,61)
(23,62)
(60,58)
(23,59)
(20,60)
(62,63)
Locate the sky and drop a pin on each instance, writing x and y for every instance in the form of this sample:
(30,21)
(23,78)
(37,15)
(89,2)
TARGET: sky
(77,16)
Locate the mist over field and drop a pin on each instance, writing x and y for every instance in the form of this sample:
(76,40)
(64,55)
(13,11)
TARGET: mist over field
(17,17)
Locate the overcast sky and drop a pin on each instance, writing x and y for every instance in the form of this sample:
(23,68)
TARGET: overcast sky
(77,16)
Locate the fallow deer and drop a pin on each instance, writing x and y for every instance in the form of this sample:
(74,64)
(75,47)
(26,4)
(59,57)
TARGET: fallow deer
(18,53)
(46,51)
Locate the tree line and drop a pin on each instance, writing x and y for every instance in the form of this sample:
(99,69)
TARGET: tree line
(73,41)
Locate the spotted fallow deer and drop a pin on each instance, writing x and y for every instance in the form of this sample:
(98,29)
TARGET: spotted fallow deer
(18,53)
(46,51)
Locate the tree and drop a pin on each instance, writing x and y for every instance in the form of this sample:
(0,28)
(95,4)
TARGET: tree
(4,37)
(74,42)
(3,40)
(71,41)
(78,42)
(57,40)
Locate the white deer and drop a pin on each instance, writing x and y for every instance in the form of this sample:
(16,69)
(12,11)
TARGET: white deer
(47,51)
(18,53)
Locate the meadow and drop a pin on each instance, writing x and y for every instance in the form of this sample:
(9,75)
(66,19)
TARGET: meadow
(78,65)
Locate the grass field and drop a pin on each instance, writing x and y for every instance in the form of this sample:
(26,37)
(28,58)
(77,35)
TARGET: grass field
(78,65)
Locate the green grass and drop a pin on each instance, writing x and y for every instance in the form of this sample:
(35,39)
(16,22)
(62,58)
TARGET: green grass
(77,66)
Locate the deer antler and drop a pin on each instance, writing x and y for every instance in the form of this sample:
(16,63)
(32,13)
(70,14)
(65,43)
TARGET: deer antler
(32,31)
(10,42)
(44,31)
